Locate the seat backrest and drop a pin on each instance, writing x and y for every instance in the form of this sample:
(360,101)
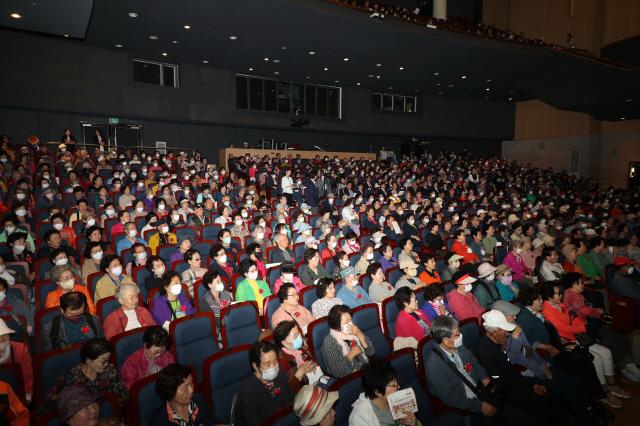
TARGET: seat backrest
(425,345)
(106,306)
(187,231)
(203,248)
(92,280)
(329,265)
(389,316)
(271,305)
(349,387)
(194,339)
(365,282)
(471,333)
(272,275)
(42,318)
(393,275)
(404,363)
(240,324)
(50,368)
(124,344)
(12,374)
(42,289)
(624,312)
(317,330)
(164,252)
(224,372)
(367,319)
(143,401)
(308,296)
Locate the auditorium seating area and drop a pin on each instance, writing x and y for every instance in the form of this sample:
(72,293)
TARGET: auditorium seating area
(115,244)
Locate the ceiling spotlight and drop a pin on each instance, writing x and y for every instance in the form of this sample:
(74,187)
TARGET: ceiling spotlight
(489,80)
(205,62)
(66,35)
(153,37)
(284,47)
(175,42)
(370,76)
(250,69)
(326,69)
(377,76)
(164,53)
(401,68)
(437,84)
(436,73)
(276,61)
(623,118)
(118,45)
(276,72)
(232,37)
(510,99)
(337,81)
(266,59)
(378,65)
(312,52)
(629,100)
(451,85)
(346,59)
(187,27)
(357,84)
(440,93)
(487,89)
(16,15)
(307,77)
(132,14)
(390,87)
(464,77)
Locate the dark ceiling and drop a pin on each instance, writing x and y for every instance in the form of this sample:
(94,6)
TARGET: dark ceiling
(274,38)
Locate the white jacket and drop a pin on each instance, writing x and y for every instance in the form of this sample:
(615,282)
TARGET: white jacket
(362,413)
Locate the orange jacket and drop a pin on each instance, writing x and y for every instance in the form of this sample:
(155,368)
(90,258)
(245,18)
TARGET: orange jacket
(53,298)
(562,321)
(16,413)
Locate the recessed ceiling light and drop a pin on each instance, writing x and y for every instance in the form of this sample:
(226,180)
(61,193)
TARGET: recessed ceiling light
(250,69)
(346,59)
(66,35)
(451,85)
(153,37)
(276,61)
(312,52)
(118,45)
(464,77)
(436,73)
(629,100)
(390,87)
(378,65)
(510,99)
(326,69)
(487,97)
(175,42)
(16,15)
(401,68)
(357,84)
(164,53)
(266,59)
(276,72)
(284,47)
(489,80)
(187,27)
(437,84)
(439,93)
(622,118)
(205,62)
(371,76)
(232,37)
(337,81)
(377,76)
(487,89)
(307,77)
(132,14)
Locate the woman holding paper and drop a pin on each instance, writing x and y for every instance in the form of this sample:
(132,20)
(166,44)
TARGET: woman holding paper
(294,357)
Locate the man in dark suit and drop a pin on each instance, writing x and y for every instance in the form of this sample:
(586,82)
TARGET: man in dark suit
(281,253)
(311,194)
(447,384)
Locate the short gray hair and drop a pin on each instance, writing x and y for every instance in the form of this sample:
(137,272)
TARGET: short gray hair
(443,326)
(123,288)
(58,270)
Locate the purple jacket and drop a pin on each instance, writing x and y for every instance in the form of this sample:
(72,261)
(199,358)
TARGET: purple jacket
(162,311)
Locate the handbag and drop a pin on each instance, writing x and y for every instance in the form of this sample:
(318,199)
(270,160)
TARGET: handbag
(585,340)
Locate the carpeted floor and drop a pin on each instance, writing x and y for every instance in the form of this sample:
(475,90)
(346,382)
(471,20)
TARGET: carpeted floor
(629,414)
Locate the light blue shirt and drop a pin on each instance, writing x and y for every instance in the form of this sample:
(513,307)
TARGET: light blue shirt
(126,243)
(354,298)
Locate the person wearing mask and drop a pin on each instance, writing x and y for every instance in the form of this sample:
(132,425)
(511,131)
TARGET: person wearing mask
(217,296)
(156,268)
(163,237)
(65,280)
(521,274)
(341,261)
(172,303)
(239,228)
(409,278)
(256,254)
(351,245)
(267,388)
(180,404)
(379,289)
(220,263)
(18,353)
(58,257)
(112,278)
(379,380)
(313,406)
(288,275)
(623,282)
(251,288)
(461,300)
(365,260)
(10,226)
(411,321)
(326,294)
(73,325)
(129,316)
(312,270)
(331,250)
(387,259)
(346,348)
(407,252)
(195,270)
(93,253)
(485,289)
(259,236)
(351,293)
(430,275)
(435,302)
(461,248)
(453,266)
(294,357)
(291,309)
(151,358)
(131,238)
(184,244)
(19,249)
(139,254)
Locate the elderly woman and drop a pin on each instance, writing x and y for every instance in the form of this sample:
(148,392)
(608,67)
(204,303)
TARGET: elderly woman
(112,279)
(195,270)
(409,278)
(351,245)
(288,274)
(341,261)
(175,387)
(430,275)
(172,303)
(150,359)
(294,357)
(65,279)
(11,307)
(387,259)
(312,270)
(260,237)
(129,316)
(93,253)
(266,390)
(217,297)
(365,260)
(184,245)
(291,309)
(346,348)
(411,321)
(331,249)
(519,270)
(251,288)
(326,294)
(96,372)
(461,299)
(507,289)
(407,252)
(435,304)
(379,289)
(73,325)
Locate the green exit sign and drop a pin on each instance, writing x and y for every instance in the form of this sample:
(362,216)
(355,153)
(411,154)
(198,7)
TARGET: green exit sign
(113,120)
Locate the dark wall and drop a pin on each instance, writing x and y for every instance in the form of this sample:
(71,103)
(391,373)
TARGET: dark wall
(49,84)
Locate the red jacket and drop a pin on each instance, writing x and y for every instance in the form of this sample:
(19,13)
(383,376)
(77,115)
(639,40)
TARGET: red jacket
(562,321)
(464,307)
(20,355)
(407,325)
(116,321)
(135,366)
(575,303)
(461,249)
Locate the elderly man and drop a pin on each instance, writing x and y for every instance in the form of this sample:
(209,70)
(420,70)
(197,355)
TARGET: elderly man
(457,378)
(129,316)
(281,253)
(351,293)
(131,238)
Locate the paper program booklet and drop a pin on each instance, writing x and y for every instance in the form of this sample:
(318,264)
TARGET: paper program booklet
(402,401)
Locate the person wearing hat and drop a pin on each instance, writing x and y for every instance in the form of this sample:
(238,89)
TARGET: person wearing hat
(198,219)
(485,289)
(504,282)
(623,282)
(461,299)
(78,406)
(163,237)
(314,406)
(517,391)
(351,293)
(409,278)
(305,232)
(16,352)
(453,266)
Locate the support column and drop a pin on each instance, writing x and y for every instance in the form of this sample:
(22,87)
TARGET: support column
(440,9)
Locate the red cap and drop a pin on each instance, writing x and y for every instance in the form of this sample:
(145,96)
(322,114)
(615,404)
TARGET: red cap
(622,260)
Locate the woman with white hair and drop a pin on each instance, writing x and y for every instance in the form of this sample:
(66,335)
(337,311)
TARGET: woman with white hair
(129,316)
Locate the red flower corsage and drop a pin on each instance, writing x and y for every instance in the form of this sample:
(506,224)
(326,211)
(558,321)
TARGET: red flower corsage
(389,288)
(142,322)
(260,291)
(297,314)
(468,367)
(85,329)
(359,296)
(8,308)
(183,308)
(277,391)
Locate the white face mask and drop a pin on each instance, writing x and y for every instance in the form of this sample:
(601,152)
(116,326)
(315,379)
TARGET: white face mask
(287,277)
(139,209)
(260,236)
(458,342)
(97,256)
(222,259)
(344,263)
(58,226)
(2,269)
(117,271)
(630,270)
(132,233)
(159,271)
(21,213)
(271,373)
(175,289)
(141,256)
(110,213)
(218,287)
(468,288)
(252,275)
(67,284)
(238,223)
(91,222)
(175,217)
(2,296)
(161,207)
(62,261)
(332,244)
(164,229)
(18,249)
(491,277)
